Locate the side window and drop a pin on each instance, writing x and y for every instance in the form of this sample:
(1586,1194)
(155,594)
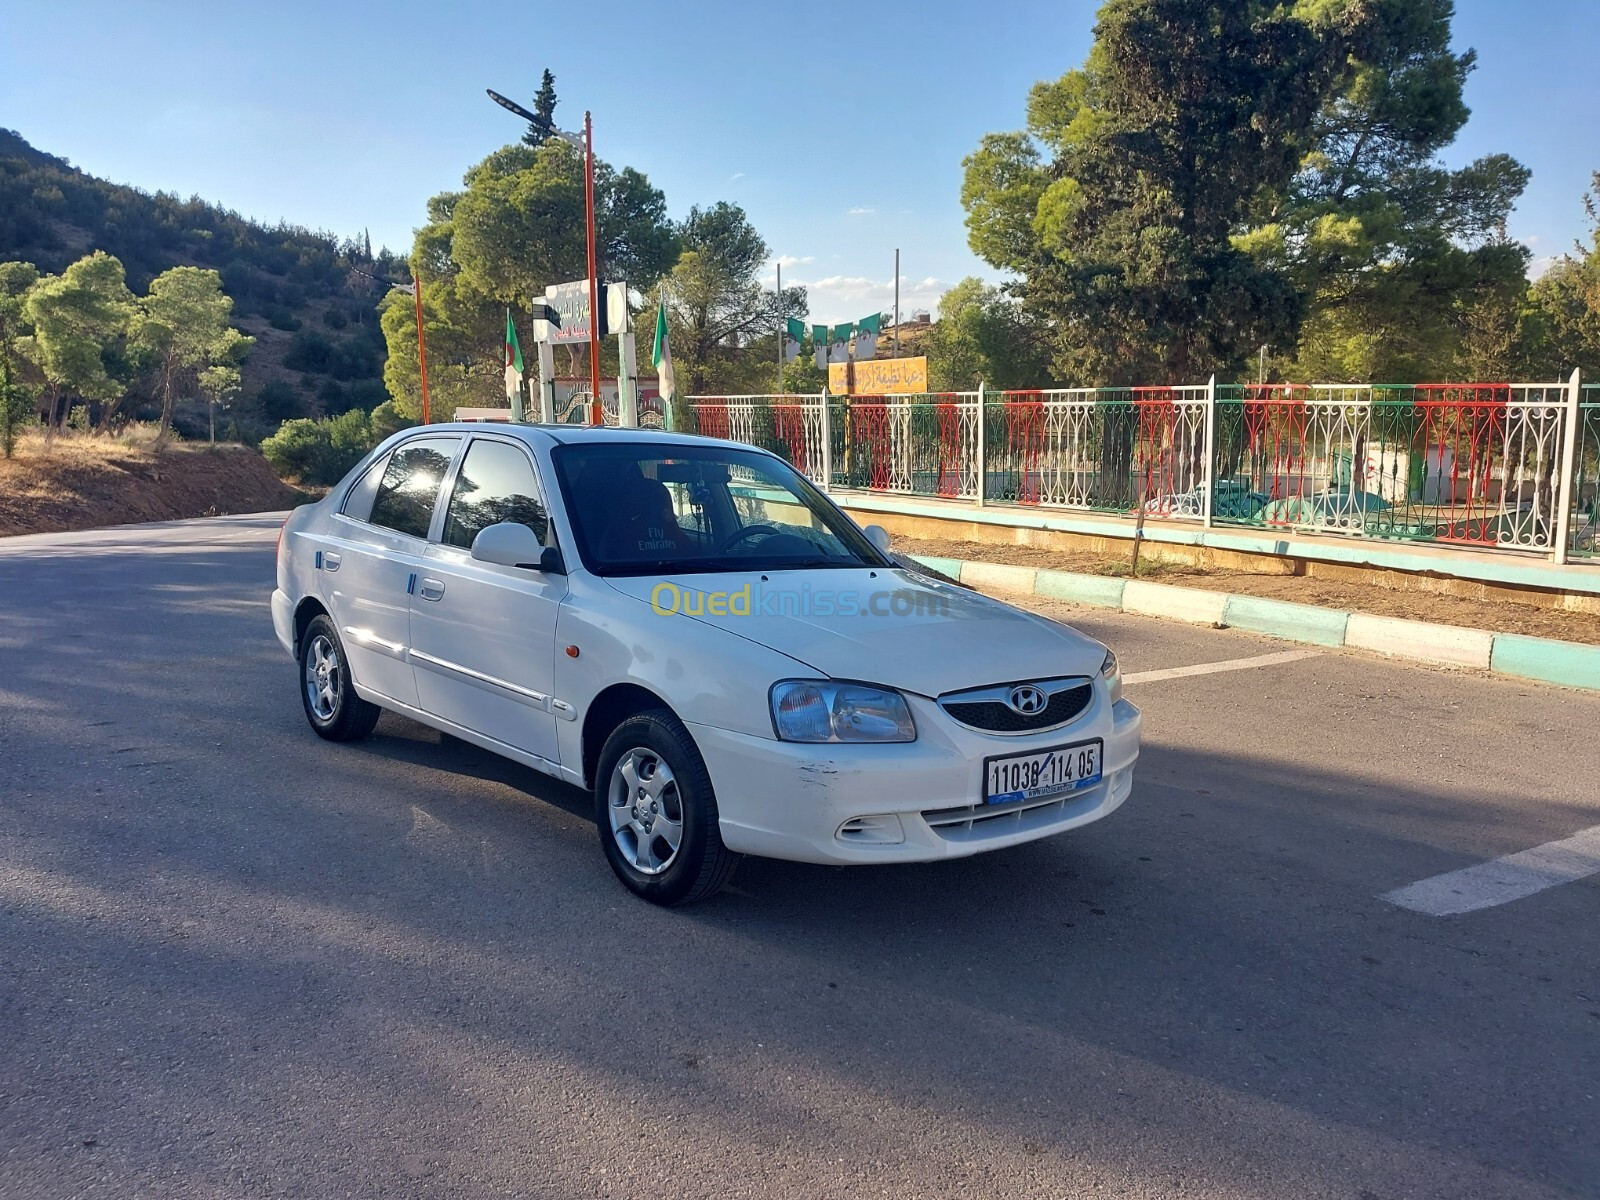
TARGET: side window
(496,483)
(411,483)
(358,501)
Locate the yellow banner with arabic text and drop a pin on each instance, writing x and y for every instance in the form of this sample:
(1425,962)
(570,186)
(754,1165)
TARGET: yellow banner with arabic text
(880,377)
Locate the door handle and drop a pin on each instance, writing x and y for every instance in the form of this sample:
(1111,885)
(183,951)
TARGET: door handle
(431,589)
(330,560)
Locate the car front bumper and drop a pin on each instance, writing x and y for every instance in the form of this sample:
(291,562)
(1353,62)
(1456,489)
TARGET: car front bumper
(903,802)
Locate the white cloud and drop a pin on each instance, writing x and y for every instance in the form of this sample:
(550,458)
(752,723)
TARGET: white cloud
(731,178)
(861,212)
(794,260)
(1538,266)
(837,298)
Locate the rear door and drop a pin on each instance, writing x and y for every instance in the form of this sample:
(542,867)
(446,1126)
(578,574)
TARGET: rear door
(371,566)
(483,635)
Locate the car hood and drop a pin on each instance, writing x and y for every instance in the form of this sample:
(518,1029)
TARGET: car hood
(880,626)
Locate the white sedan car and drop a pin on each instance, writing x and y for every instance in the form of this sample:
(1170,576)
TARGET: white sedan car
(693,631)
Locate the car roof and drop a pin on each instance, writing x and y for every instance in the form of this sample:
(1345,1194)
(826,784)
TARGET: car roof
(578,434)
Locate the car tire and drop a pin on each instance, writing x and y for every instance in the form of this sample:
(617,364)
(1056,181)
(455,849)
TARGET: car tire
(651,786)
(327,691)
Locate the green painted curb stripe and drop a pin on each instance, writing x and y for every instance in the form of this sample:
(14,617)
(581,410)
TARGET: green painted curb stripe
(1286,619)
(1567,664)
(1547,660)
(1105,591)
(945,566)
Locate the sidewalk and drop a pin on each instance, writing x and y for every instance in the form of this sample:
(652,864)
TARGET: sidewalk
(1568,664)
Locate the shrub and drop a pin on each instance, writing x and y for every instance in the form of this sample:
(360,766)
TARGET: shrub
(386,420)
(319,452)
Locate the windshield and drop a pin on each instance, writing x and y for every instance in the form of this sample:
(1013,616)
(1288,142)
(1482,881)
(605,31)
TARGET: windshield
(654,509)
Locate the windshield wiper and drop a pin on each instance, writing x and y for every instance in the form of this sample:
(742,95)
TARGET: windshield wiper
(806,564)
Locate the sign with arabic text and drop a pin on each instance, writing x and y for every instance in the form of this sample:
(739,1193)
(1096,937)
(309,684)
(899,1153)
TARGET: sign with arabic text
(881,377)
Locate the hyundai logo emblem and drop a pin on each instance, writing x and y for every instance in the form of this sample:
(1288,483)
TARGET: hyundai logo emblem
(1027,700)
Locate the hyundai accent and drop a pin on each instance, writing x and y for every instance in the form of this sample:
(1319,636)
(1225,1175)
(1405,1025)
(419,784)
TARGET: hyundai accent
(695,633)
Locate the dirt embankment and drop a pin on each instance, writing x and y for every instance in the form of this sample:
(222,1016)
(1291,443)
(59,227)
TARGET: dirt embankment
(88,482)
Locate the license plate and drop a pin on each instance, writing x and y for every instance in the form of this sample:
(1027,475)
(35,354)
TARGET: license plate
(1042,773)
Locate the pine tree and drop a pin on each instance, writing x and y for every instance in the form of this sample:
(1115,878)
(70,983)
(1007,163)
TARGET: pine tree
(544,107)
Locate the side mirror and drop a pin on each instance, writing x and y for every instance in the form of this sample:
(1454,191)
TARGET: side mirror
(510,545)
(878,536)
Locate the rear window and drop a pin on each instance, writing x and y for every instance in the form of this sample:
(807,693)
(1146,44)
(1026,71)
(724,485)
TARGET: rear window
(410,487)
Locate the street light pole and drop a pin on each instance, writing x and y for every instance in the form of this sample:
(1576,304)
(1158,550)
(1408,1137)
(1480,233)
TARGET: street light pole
(596,411)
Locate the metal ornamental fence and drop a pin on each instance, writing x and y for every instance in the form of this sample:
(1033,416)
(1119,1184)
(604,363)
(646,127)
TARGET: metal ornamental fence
(1503,466)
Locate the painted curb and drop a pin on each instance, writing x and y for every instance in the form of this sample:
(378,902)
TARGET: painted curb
(1000,577)
(1103,590)
(1448,644)
(1544,660)
(1180,604)
(1288,620)
(945,566)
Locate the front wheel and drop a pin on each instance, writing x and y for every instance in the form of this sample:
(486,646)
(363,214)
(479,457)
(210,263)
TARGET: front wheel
(326,689)
(657,813)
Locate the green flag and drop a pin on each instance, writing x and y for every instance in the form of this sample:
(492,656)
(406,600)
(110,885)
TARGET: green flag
(819,346)
(661,359)
(867,337)
(514,372)
(793,334)
(839,342)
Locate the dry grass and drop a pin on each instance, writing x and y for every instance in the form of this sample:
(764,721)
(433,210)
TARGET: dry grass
(84,481)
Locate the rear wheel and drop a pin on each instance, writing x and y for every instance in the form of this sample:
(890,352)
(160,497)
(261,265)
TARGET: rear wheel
(326,690)
(657,813)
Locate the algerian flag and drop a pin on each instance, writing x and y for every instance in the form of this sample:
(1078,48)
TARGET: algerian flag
(819,346)
(839,342)
(661,359)
(794,332)
(867,337)
(514,372)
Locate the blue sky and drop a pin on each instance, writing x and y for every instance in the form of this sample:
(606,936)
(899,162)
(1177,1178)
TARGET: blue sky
(840,143)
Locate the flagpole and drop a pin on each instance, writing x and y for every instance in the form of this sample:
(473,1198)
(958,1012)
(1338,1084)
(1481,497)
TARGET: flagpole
(897,301)
(780,329)
(596,411)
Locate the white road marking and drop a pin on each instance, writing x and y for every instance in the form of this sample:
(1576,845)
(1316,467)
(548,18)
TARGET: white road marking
(1502,880)
(1211,668)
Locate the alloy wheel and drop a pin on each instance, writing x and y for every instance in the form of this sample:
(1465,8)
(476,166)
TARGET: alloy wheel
(324,681)
(646,811)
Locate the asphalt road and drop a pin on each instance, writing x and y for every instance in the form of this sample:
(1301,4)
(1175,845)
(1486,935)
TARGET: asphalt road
(237,961)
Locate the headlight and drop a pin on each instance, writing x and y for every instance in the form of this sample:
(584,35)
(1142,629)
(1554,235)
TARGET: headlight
(1112,674)
(812,710)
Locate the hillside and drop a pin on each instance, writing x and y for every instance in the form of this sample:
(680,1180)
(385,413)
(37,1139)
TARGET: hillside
(298,292)
(90,482)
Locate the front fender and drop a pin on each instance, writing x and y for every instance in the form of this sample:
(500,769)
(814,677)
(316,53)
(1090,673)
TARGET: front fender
(704,674)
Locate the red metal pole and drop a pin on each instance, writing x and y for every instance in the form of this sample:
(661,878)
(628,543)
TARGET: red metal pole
(422,353)
(596,412)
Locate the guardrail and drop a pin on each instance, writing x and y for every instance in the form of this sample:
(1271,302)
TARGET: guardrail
(1498,466)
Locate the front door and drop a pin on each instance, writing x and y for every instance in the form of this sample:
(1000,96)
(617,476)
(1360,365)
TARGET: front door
(483,635)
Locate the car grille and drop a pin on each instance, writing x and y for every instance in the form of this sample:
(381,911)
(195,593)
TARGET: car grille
(987,708)
(980,822)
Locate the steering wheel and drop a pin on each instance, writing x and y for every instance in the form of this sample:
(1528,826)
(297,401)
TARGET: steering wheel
(739,535)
